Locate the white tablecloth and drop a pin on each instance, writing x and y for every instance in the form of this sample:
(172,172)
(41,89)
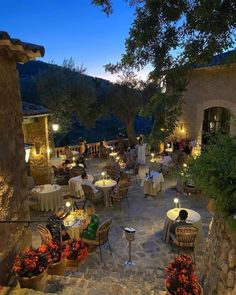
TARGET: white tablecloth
(193,217)
(49,196)
(151,186)
(75,185)
(106,186)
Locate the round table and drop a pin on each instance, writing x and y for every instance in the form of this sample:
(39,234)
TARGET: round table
(75,185)
(193,217)
(152,186)
(75,224)
(106,185)
(49,196)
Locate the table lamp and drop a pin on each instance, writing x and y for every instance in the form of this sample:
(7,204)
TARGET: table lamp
(152,155)
(117,159)
(176,201)
(103,177)
(68,206)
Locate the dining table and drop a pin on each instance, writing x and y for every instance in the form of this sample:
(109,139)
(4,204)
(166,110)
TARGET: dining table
(152,183)
(194,218)
(75,185)
(106,185)
(49,196)
(75,223)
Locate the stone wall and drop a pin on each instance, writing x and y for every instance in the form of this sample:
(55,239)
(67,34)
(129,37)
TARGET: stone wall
(13,176)
(207,87)
(220,259)
(36,132)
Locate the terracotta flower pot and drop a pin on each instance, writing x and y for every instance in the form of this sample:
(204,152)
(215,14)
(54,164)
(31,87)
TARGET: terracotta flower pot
(168,292)
(36,283)
(72,263)
(57,268)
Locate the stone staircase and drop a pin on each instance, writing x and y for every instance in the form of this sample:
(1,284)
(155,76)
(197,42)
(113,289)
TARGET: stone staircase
(100,282)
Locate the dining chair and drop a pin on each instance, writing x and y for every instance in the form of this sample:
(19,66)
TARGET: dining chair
(89,194)
(120,195)
(45,234)
(102,237)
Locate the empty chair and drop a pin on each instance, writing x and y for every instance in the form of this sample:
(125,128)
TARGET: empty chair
(134,172)
(121,194)
(45,234)
(102,237)
(184,238)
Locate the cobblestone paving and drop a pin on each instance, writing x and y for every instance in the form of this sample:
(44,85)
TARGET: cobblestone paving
(149,252)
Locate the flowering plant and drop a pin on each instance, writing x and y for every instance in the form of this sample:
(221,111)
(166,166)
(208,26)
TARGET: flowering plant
(76,250)
(30,263)
(55,252)
(181,279)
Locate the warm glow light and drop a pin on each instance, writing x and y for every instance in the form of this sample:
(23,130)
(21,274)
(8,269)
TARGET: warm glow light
(27,154)
(112,148)
(152,155)
(73,159)
(117,158)
(55,127)
(103,173)
(168,145)
(176,200)
(68,204)
(185,165)
(49,150)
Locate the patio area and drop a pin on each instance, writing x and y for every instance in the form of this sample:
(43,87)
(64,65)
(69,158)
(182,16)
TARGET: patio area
(149,252)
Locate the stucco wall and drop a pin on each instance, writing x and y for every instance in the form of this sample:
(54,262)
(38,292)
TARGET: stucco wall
(208,87)
(36,133)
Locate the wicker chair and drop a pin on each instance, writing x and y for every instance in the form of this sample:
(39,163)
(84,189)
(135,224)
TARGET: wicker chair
(134,172)
(102,237)
(120,195)
(45,234)
(184,238)
(89,194)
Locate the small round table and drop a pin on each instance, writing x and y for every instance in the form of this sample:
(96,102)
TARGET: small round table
(193,217)
(106,186)
(49,196)
(75,224)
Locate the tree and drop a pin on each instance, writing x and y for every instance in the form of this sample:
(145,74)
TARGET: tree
(173,36)
(125,100)
(68,93)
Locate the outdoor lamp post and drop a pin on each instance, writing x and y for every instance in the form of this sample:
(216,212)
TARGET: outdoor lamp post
(130,237)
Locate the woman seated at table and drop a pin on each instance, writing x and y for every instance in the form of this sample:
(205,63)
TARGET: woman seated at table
(91,230)
(122,182)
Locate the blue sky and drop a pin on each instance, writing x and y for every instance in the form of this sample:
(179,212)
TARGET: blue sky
(72,28)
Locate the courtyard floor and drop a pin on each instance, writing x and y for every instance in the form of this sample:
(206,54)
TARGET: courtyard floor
(149,252)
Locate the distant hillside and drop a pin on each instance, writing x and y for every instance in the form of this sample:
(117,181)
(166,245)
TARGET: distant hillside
(106,128)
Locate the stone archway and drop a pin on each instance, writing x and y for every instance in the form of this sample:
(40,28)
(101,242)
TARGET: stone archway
(207,104)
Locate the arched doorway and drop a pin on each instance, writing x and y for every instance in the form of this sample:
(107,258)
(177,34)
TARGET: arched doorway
(216,120)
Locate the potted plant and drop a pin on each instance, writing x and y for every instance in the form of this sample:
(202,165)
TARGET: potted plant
(75,251)
(181,279)
(56,255)
(30,267)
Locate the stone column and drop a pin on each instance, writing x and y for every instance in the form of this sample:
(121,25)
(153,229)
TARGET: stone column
(13,177)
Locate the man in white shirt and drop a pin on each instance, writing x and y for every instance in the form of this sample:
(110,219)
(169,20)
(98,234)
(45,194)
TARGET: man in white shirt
(86,181)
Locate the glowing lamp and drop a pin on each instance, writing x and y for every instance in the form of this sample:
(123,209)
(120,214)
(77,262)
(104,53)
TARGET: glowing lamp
(168,145)
(176,201)
(152,155)
(27,152)
(117,159)
(185,165)
(55,127)
(73,159)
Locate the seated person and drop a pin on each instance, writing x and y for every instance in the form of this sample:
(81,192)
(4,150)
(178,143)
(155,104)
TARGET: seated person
(86,181)
(68,153)
(180,220)
(91,230)
(56,226)
(123,181)
(77,170)
(64,169)
(166,159)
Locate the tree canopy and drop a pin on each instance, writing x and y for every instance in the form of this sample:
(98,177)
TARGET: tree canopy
(173,36)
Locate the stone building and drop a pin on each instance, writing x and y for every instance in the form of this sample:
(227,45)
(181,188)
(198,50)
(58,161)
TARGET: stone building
(13,176)
(210,99)
(36,133)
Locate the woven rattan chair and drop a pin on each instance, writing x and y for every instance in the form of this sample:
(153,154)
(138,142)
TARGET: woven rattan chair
(89,194)
(134,172)
(45,234)
(102,237)
(121,194)
(184,238)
